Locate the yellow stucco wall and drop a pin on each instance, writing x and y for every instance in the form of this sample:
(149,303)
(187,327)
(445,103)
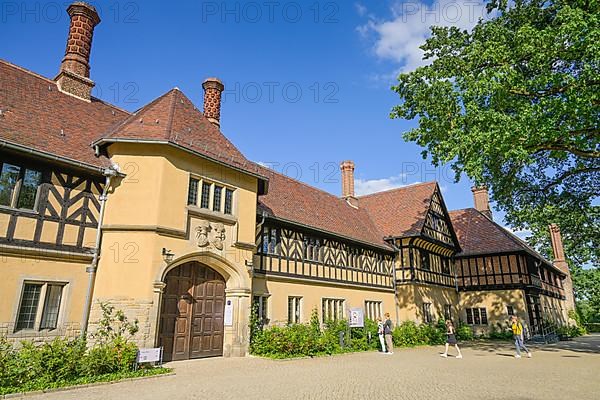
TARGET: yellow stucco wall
(412,296)
(312,294)
(147,211)
(495,303)
(16,270)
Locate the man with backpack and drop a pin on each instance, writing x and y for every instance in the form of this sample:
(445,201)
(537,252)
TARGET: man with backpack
(517,329)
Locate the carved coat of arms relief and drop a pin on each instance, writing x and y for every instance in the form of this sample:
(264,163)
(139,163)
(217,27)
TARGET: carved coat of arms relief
(210,233)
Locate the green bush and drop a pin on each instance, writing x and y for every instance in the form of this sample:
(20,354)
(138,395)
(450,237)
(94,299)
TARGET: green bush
(63,361)
(409,334)
(118,355)
(592,327)
(406,335)
(464,332)
(571,331)
(500,332)
(298,340)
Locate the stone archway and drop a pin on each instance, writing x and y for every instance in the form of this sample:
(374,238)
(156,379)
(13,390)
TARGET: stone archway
(191,320)
(237,295)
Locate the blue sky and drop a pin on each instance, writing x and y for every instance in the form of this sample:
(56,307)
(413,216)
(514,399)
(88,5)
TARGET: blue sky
(307,83)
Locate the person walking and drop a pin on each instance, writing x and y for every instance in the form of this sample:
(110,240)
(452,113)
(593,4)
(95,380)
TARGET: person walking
(387,330)
(451,339)
(381,333)
(517,329)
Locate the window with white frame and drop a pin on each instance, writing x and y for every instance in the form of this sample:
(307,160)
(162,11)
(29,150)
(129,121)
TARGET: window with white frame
(510,310)
(294,309)
(260,304)
(477,316)
(332,309)
(19,186)
(39,307)
(211,196)
(372,309)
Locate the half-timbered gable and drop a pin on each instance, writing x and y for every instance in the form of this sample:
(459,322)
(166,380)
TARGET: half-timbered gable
(415,220)
(437,226)
(47,207)
(493,258)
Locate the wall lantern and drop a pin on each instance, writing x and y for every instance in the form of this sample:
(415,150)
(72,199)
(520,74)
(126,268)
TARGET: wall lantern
(167,255)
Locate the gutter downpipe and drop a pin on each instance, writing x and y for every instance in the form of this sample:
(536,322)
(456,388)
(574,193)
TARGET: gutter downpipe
(396,301)
(109,173)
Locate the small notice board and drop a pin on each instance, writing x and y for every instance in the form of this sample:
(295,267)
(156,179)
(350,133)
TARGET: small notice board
(149,355)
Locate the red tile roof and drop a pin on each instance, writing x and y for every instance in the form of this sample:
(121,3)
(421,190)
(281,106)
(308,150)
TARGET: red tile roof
(172,118)
(477,234)
(36,115)
(399,212)
(297,202)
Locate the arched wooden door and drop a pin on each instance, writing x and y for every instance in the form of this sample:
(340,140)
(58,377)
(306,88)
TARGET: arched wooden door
(191,320)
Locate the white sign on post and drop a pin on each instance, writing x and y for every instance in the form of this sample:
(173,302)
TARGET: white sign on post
(149,355)
(228,319)
(356,318)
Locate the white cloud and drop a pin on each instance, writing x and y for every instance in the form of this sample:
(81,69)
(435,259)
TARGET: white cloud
(360,9)
(398,38)
(368,186)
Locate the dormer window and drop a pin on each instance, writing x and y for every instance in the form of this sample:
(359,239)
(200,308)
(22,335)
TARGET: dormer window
(211,196)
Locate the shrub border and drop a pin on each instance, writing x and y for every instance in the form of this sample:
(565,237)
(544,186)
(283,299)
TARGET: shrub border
(168,372)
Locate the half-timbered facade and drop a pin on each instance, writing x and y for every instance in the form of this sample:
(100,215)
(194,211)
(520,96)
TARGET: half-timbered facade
(157,213)
(503,270)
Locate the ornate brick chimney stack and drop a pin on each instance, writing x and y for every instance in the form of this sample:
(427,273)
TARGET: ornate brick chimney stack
(213,88)
(561,263)
(347,168)
(74,75)
(481,200)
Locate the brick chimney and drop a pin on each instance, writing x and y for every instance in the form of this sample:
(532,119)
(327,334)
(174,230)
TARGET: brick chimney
(74,75)
(560,262)
(213,88)
(347,168)
(481,200)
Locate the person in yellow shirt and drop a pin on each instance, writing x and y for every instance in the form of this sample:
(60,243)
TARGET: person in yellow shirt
(517,329)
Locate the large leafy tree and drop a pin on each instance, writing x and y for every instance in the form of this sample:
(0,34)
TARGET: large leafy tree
(515,104)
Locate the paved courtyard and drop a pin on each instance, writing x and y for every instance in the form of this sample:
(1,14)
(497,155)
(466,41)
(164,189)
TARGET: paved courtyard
(488,371)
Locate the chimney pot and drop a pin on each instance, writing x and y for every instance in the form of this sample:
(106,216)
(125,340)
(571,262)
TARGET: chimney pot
(481,200)
(347,168)
(213,87)
(74,75)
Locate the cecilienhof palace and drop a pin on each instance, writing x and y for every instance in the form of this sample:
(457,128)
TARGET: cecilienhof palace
(192,234)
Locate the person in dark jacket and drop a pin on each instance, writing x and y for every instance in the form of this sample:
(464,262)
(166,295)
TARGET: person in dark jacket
(387,330)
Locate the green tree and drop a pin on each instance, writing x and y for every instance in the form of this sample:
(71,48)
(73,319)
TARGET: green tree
(515,104)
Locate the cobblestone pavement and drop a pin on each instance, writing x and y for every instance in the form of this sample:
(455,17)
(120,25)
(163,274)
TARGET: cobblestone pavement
(487,371)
